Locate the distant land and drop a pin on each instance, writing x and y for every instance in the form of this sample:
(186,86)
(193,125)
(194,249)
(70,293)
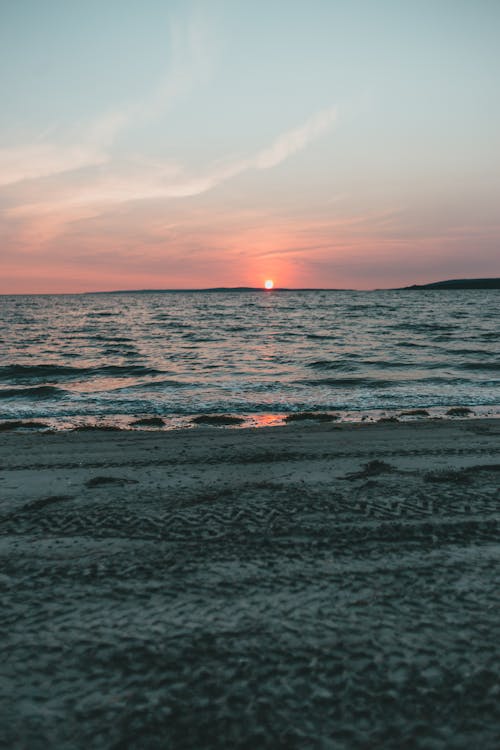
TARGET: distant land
(459,284)
(493,283)
(220,289)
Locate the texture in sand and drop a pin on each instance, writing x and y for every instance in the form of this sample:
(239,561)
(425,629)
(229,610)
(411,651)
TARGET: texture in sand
(300,587)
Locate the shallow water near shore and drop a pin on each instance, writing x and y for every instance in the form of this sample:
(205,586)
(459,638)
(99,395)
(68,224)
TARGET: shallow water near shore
(75,358)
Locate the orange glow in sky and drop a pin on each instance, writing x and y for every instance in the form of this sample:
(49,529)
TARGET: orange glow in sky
(130,181)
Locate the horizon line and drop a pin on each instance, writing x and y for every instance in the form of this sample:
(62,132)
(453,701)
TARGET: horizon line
(429,285)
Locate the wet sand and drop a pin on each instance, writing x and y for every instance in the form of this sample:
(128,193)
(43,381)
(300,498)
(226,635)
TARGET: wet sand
(310,586)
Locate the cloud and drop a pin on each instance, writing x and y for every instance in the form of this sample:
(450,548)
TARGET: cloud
(295,140)
(42,159)
(92,145)
(45,159)
(48,186)
(124,182)
(54,181)
(285,145)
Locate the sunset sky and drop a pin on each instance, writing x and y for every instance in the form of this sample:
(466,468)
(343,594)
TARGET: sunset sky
(179,144)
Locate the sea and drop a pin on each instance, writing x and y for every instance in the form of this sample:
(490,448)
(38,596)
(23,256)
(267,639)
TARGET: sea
(111,359)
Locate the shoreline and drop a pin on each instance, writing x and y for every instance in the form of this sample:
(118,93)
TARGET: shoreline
(329,583)
(234,420)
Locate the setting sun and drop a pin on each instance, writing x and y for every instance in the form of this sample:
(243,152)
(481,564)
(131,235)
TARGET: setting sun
(269,284)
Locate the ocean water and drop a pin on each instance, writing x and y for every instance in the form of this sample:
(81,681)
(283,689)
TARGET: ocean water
(70,358)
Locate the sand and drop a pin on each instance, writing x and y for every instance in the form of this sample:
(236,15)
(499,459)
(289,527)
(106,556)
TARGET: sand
(308,586)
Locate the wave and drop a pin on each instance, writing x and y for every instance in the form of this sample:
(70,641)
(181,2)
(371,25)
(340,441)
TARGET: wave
(125,370)
(321,336)
(27,373)
(327,364)
(198,339)
(367,382)
(481,352)
(154,385)
(35,373)
(38,392)
(177,324)
(112,339)
(305,350)
(488,366)
(117,351)
(394,364)
(347,382)
(427,328)
(412,345)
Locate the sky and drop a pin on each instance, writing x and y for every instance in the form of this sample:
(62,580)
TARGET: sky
(189,144)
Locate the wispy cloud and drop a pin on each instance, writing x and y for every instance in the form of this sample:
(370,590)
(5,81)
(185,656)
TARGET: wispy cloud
(44,159)
(59,179)
(295,140)
(284,146)
(92,145)
(120,182)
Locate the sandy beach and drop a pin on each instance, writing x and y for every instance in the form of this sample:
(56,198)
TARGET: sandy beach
(309,586)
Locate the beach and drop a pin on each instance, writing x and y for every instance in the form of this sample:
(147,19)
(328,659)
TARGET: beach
(308,586)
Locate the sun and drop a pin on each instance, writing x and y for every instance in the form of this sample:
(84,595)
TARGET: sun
(269,283)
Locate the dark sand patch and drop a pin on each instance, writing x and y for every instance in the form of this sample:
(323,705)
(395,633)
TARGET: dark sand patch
(18,424)
(33,506)
(97,428)
(415,413)
(43,502)
(447,476)
(482,467)
(310,415)
(217,420)
(148,422)
(459,411)
(460,476)
(372,469)
(100,481)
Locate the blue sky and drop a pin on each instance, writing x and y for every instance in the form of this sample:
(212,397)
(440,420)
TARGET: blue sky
(181,144)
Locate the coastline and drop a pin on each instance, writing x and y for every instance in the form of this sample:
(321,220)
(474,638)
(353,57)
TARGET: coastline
(156,422)
(330,583)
